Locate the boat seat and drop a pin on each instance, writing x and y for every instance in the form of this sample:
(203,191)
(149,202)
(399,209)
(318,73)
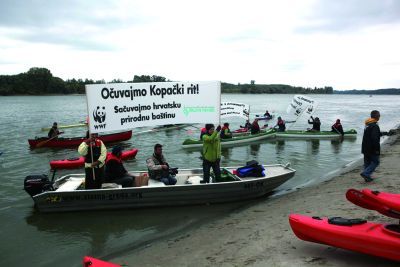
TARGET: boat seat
(71,184)
(155,183)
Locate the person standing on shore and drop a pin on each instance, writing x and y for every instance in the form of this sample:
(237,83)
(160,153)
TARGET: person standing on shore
(95,153)
(211,152)
(371,147)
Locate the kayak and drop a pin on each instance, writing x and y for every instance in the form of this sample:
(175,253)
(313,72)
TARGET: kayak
(191,143)
(385,203)
(315,135)
(382,240)
(65,126)
(264,118)
(93,262)
(74,163)
(76,141)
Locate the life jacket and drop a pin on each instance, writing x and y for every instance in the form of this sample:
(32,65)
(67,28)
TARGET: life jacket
(223,135)
(111,156)
(281,125)
(96,148)
(202,132)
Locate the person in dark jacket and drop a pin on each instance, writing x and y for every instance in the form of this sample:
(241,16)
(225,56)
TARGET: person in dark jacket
(54,132)
(316,124)
(255,127)
(159,168)
(371,147)
(337,127)
(115,171)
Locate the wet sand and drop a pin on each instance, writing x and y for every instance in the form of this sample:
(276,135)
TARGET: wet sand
(260,235)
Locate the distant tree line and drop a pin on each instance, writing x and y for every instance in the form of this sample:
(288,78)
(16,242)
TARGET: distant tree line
(40,81)
(253,88)
(388,91)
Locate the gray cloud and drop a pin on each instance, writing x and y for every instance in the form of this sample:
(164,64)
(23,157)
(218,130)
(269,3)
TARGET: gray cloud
(350,15)
(73,23)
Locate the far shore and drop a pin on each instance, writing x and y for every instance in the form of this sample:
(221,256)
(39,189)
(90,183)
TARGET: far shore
(260,235)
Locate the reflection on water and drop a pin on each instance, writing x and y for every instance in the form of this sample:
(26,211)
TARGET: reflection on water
(314,147)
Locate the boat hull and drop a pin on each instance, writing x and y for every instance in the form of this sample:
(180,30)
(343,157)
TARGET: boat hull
(194,143)
(292,134)
(76,141)
(80,162)
(161,195)
(370,238)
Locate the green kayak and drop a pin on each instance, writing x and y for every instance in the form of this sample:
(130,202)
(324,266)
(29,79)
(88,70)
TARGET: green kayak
(190,143)
(315,135)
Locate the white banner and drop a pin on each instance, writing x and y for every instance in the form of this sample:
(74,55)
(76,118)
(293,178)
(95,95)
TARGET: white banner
(122,106)
(230,109)
(301,104)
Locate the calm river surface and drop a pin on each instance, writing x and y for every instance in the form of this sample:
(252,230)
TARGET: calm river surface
(33,239)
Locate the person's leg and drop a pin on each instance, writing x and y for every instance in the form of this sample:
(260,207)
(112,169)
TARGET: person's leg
(367,162)
(206,171)
(217,170)
(374,162)
(99,176)
(165,180)
(125,181)
(89,182)
(172,180)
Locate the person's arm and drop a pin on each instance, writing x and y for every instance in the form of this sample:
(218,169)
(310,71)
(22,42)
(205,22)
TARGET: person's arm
(152,166)
(83,149)
(375,139)
(103,153)
(211,138)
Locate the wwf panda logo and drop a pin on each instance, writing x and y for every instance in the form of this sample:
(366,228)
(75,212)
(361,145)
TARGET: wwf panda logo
(99,114)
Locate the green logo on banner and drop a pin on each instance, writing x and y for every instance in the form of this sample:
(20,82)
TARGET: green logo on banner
(188,110)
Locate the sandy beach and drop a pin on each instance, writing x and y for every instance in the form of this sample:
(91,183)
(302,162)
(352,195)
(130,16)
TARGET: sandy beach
(260,235)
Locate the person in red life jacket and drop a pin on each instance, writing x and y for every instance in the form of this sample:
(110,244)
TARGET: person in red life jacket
(225,131)
(316,124)
(281,124)
(115,171)
(337,127)
(158,168)
(203,131)
(54,132)
(95,153)
(255,128)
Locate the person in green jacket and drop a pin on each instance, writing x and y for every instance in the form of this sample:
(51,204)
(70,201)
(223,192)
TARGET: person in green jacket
(211,152)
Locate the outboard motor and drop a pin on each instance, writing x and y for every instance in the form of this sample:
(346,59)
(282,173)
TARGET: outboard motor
(36,184)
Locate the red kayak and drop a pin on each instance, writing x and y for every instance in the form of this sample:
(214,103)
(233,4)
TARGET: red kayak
(352,234)
(385,203)
(76,141)
(75,163)
(93,262)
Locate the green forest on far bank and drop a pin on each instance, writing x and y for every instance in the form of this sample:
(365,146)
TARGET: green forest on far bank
(40,81)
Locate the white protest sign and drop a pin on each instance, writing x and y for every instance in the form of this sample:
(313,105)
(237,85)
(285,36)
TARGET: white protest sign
(122,106)
(301,104)
(230,109)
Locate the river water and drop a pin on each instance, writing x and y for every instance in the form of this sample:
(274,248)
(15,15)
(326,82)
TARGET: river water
(33,239)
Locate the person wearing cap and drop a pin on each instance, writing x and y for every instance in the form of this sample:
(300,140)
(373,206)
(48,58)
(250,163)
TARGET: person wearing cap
(211,152)
(95,153)
(115,171)
(316,124)
(158,167)
(54,132)
(225,132)
(337,127)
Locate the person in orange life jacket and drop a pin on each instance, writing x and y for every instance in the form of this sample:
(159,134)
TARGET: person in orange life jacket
(255,128)
(115,171)
(281,125)
(93,146)
(371,147)
(54,131)
(203,131)
(158,167)
(211,152)
(316,123)
(337,127)
(225,132)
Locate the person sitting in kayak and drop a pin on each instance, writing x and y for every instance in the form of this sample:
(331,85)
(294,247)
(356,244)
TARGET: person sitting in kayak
(158,167)
(255,128)
(203,131)
(95,153)
(337,127)
(267,115)
(225,132)
(316,123)
(247,125)
(54,132)
(281,124)
(116,173)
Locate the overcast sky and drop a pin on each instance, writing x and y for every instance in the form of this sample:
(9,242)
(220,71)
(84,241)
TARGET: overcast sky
(346,44)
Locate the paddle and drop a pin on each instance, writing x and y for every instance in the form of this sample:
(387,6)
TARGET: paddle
(342,136)
(45,141)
